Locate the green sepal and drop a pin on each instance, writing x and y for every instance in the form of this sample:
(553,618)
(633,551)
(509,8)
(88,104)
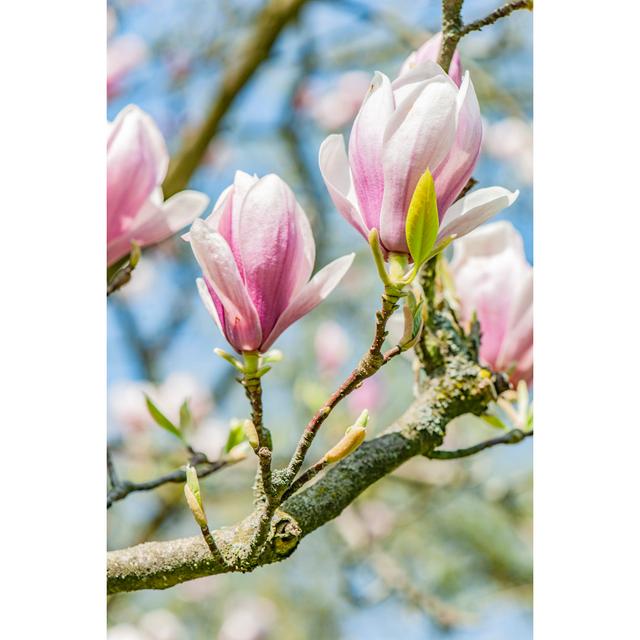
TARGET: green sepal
(422,220)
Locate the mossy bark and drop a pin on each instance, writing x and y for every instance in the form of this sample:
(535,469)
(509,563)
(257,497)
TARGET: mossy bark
(461,387)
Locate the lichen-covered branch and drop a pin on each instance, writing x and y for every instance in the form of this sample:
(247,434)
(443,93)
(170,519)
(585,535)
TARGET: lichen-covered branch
(269,23)
(461,387)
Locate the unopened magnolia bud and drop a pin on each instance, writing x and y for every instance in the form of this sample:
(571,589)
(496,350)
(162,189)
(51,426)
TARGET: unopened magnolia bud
(363,420)
(250,431)
(238,453)
(353,437)
(195,506)
(193,483)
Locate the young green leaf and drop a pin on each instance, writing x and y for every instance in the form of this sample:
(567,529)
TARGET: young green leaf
(236,436)
(161,420)
(422,219)
(186,419)
(494,421)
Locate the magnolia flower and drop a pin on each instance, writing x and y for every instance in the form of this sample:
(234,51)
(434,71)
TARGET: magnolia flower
(430,51)
(137,162)
(511,140)
(494,279)
(332,346)
(420,121)
(124,53)
(257,252)
(127,400)
(335,108)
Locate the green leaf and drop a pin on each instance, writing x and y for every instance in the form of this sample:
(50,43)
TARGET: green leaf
(493,421)
(422,219)
(161,420)
(236,436)
(186,419)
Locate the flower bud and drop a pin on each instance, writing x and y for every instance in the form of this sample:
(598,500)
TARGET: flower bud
(353,437)
(250,431)
(194,499)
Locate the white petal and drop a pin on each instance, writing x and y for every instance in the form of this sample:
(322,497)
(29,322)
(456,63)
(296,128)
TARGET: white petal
(475,208)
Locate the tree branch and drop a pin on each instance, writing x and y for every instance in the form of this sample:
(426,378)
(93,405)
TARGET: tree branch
(121,489)
(453,30)
(256,49)
(371,362)
(512,437)
(494,16)
(461,387)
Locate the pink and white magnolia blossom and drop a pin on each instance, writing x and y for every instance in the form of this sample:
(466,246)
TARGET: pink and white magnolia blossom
(124,53)
(420,121)
(336,107)
(494,279)
(137,163)
(257,252)
(430,51)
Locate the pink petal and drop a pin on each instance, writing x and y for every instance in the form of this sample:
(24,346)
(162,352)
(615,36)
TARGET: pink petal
(334,167)
(272,240)
(455,170)
(310,296)
(365,148)
(241,323)
(417,137)
(137,161)
(430,50)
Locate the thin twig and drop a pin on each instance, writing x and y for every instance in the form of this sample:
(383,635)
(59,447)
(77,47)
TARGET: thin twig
(368,365)
(111,470)
(494,16)
(205,467)
(512,437)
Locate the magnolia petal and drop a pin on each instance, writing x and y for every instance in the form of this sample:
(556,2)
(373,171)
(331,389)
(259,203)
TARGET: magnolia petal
(430,50)
(365,148)
(417,137)
(334,167)
(310,296)
(475,208)
(454,171)
(137,161)
(272,250)
(208,302)
(242,326)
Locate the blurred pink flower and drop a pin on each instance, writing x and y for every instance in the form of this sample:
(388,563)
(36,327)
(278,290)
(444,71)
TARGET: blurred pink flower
(493,277)
(256,251)
(420,121)
(332,346)
(335,108)
(370,396)
(124,54)
(137,162)
(430,51)
(511,140)
(127,401)
(250,618)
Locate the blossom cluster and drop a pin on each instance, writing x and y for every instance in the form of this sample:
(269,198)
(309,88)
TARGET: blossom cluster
(402,183)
